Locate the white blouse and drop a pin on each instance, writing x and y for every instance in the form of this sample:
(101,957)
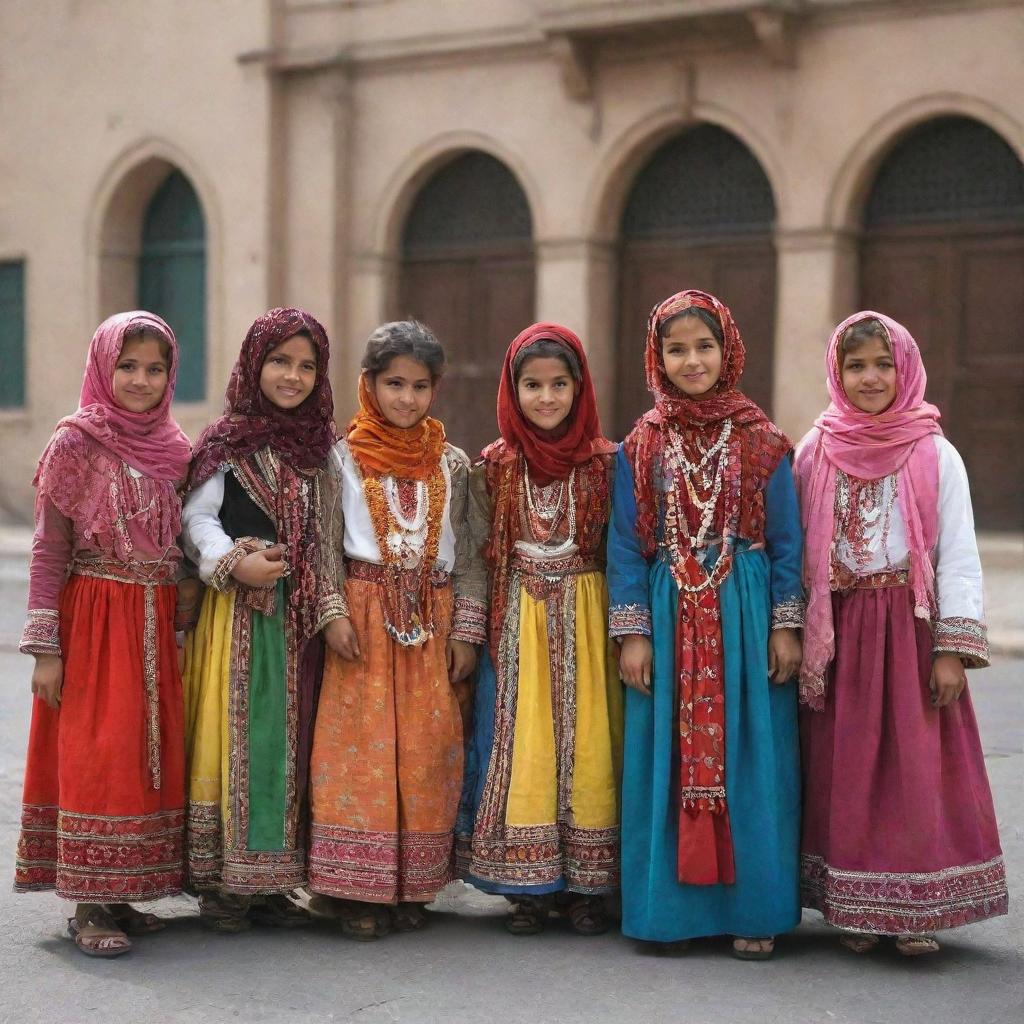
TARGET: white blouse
(360,540)
(957,564)
(203,536)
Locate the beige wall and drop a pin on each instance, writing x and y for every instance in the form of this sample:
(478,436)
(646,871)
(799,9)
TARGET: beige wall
(308,125)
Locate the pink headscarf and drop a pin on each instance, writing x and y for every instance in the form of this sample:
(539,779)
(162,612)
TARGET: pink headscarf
(150,442)
(869,447)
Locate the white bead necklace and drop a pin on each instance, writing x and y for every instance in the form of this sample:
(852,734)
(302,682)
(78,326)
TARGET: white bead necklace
(419,517)
(705,506)
(546,549)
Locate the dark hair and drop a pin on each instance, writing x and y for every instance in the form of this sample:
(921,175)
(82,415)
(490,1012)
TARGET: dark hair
(146,332)
(547,348)
(857,334)
(706,315)
(403,338)
(300,333)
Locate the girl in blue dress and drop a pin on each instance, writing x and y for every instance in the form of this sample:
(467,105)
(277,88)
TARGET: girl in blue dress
(704,559)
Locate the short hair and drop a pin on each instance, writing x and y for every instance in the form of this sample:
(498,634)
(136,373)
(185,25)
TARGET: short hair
(706,315)
(148,332)
(403,338)
(547,348)
(858,334)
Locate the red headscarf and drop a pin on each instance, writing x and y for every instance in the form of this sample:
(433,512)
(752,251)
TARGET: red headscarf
(302,437)
(867,446)
(549,457)
(150,442)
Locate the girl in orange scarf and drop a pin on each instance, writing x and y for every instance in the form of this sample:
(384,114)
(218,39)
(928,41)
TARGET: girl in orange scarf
(387,751)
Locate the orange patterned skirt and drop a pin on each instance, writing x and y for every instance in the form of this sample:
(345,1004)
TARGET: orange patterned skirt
(386,768)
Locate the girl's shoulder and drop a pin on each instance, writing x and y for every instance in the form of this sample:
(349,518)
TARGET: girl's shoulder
(73,452)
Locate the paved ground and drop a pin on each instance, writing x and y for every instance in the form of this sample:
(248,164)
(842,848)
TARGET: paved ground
(466,969)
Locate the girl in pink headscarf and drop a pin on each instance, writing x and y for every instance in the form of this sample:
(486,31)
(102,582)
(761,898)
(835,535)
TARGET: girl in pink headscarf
(103,810)
(905,842)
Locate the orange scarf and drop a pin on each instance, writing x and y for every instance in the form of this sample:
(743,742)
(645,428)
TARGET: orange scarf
(382,449)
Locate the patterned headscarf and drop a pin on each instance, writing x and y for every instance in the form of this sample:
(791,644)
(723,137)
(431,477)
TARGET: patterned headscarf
(301,437)
(867,446)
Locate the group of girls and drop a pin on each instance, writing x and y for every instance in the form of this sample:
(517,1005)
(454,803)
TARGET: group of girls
(402,667)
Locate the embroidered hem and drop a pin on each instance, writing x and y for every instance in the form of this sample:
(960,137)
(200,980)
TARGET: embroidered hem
(629,620)
(94,858)
(904,903)
(543,855)
(967,638)
(789,614)
(41,634)
(205,853)
(251,872)
(469,621)
(378,867)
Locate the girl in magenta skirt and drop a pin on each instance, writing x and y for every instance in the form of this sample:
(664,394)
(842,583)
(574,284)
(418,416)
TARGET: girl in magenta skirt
(899,833)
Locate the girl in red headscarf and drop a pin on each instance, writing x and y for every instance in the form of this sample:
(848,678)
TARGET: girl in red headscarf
(252,526)
(387,753)
(103,811)
(540,810)
(904,842)
(704,573)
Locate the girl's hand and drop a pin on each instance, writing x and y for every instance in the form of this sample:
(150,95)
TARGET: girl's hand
(635,663)
(48,678)
(948,680)
(341,638)
(190,599)
(261,568)
(785,652)
(461,660)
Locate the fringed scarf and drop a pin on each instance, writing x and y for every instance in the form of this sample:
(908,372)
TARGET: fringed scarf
(753,451)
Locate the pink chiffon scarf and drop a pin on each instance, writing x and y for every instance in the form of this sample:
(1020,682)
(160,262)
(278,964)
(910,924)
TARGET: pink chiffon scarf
(869,447)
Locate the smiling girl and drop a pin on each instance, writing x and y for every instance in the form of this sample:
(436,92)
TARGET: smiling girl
(387,753)
(103,811)
(252,527)
(905,843)
(704,574)
(540,809)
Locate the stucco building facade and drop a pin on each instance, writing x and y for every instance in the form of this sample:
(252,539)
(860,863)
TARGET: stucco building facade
(485,163)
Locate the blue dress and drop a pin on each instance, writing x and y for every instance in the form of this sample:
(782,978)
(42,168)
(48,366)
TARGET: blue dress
(762,746)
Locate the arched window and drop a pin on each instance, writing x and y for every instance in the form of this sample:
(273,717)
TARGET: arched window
(700,214)
(468,272)
(172,276)
(943,252)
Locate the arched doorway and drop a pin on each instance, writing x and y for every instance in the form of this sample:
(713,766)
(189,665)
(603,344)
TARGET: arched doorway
(172,276)
(943,252)
(468,272)
(700,214)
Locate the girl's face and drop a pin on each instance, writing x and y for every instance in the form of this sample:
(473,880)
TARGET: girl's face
(140,375)
(869,376)
(403,390)
(289,372)
(546,391)
(692,356)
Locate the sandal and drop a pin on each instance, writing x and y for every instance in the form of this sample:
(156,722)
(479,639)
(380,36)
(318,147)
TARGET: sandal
(96,933)
(364,922)
(278,911)
(859,942)
(743,948)
(917,945)
(224,912)
(409,917)
(586,915)
(528,916)
(135,922)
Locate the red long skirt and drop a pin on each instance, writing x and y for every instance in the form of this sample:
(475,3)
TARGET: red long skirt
(103,809)
(899,832)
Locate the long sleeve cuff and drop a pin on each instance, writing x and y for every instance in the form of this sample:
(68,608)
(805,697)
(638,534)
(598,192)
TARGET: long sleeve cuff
(41,634)
(629,620)
(789,614)
(966,638)
(469,621)
(331,607)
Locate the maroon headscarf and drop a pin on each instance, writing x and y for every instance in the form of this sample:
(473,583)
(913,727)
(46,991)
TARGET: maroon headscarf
(302,437)
(549,457)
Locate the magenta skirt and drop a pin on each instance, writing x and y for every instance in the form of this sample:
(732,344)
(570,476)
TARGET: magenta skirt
(899,833)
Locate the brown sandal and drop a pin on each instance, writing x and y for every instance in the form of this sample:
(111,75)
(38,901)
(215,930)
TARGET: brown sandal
(224,912)
(364,922)
(96,933)
(744,952)
(528,916)
(917,945)
(859,942)
(135,922)
(586,915)
(278,911)
(409,917)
